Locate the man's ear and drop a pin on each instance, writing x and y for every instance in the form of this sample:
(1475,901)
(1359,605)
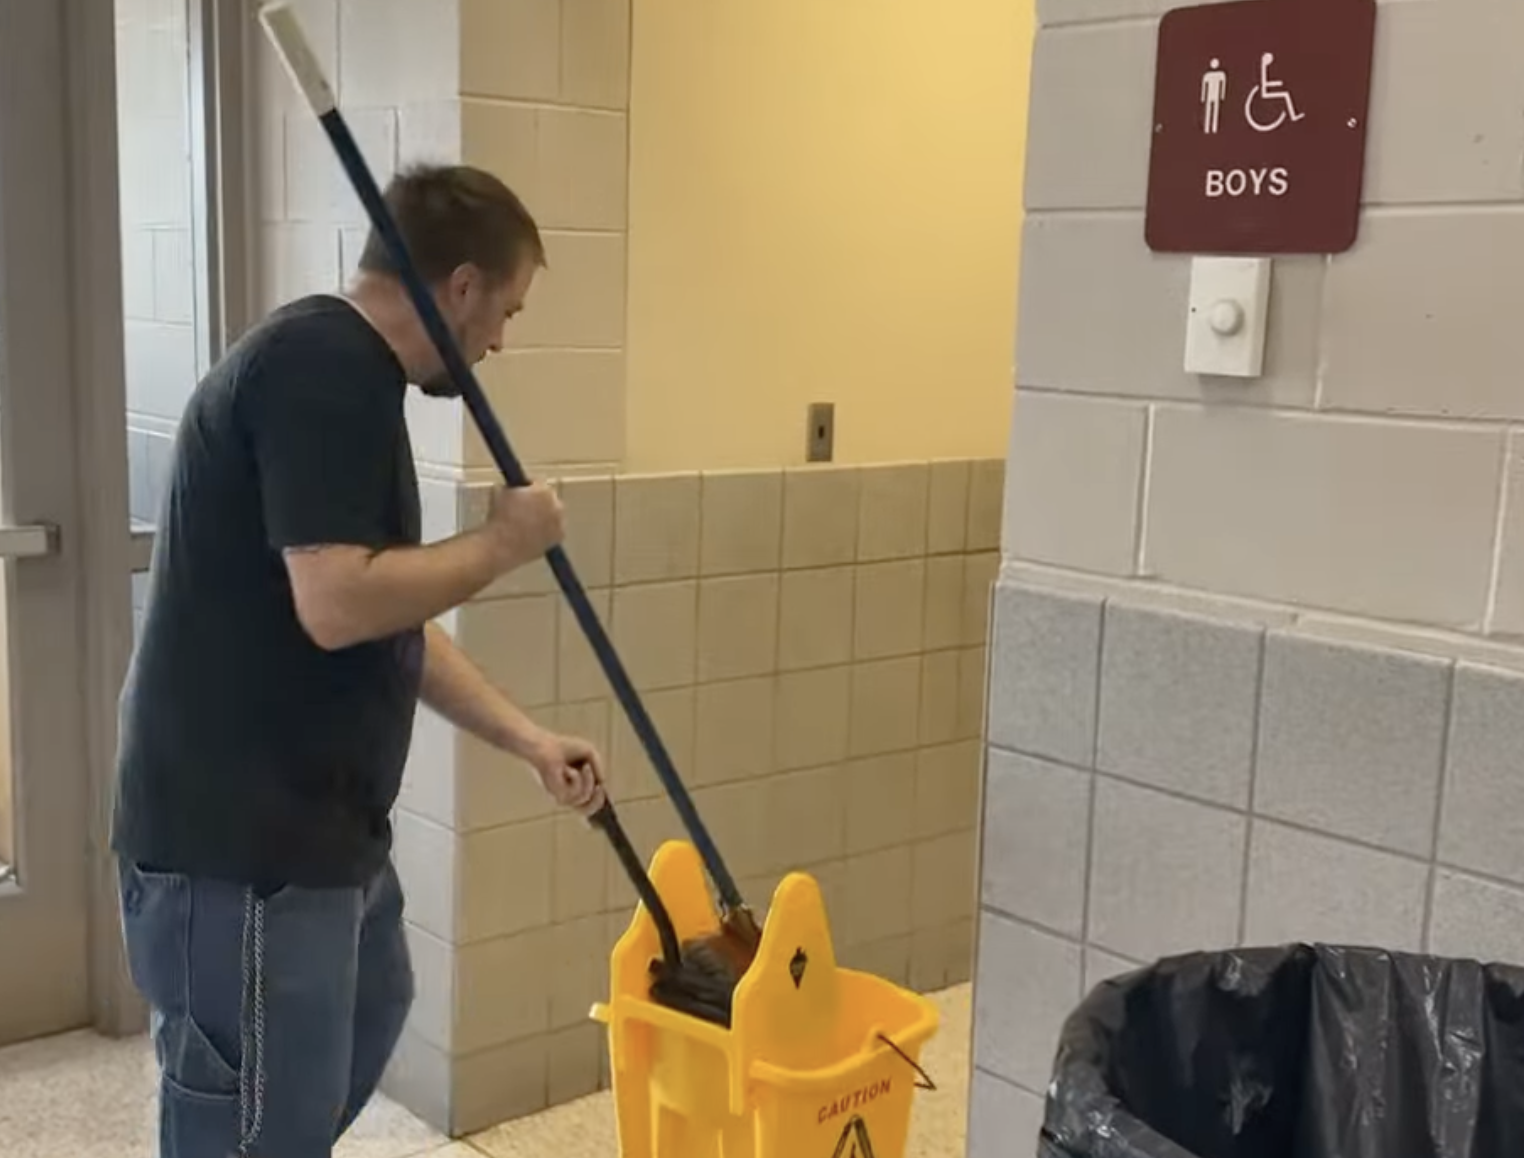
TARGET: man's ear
(459,285)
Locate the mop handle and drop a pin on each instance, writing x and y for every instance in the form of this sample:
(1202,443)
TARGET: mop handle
(306,71)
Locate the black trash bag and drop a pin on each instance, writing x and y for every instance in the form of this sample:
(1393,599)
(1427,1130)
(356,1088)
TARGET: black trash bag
(1294,1052)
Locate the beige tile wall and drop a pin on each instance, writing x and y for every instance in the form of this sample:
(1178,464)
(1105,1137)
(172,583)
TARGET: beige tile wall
(544,89)
(394,66)
(528,91)
(810,643)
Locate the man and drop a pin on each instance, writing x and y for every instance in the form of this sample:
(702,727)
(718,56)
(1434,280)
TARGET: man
(267,716)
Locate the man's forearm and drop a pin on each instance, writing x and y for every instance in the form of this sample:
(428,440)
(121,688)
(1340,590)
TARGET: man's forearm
(457,689)
(397,589)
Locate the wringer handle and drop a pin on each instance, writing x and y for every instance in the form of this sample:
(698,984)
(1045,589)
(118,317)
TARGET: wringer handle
(608,820)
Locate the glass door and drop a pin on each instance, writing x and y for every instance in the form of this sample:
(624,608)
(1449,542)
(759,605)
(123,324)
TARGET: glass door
(64,533)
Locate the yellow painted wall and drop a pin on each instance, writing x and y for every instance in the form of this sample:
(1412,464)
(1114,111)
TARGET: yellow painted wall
(825,205)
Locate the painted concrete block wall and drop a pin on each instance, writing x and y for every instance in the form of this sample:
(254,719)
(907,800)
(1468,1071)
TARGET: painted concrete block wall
(544,94)
(531,92)
(394,66)
(158,263)
(1363,474)
(1255,642)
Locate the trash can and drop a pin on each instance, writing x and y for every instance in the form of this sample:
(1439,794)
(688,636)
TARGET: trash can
(818,1059)
(1301,1051)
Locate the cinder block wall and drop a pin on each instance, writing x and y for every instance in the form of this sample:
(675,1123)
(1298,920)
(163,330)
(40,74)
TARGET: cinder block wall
(158,270)
(1255,662)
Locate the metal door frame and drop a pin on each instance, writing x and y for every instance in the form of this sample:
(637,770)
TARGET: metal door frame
(65,536)
(63,469)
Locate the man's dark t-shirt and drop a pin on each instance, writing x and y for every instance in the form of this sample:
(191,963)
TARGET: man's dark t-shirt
(248,753)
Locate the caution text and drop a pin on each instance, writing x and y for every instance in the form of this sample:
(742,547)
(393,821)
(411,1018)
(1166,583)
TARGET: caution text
(854,1102)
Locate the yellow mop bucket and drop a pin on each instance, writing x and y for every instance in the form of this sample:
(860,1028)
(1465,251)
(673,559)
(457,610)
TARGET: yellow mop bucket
(818,1060)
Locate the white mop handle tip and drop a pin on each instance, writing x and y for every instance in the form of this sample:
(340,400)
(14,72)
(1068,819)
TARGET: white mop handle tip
(296,54)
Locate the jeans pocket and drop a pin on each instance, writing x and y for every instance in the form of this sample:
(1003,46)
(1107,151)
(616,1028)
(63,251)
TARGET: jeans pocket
(184,952)
(154,914)
(195,1125)
(190,1061)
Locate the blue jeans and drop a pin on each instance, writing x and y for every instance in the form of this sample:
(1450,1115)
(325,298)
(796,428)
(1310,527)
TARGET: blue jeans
(273,1018)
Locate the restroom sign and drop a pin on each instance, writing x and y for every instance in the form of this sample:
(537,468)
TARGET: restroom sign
(1259,128)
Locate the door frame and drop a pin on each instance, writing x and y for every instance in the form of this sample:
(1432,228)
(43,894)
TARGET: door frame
(101,467)
(63,460)
(224,199)
(64,465)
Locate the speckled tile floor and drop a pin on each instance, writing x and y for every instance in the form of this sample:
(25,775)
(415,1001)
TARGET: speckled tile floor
(83,1096)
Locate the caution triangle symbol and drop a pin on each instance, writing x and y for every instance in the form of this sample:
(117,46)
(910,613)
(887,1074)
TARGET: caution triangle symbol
(854,1141)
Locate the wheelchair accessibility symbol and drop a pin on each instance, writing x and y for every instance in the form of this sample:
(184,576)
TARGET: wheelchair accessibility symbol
(1270,93)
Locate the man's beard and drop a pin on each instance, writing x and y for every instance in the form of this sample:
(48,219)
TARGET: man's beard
(441,385)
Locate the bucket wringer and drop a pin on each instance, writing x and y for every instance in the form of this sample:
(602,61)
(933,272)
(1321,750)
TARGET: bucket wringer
(727,1040)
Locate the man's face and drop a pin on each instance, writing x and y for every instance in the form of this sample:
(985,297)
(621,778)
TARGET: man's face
(476,308)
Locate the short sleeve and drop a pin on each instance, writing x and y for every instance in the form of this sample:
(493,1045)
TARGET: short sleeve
(324,431)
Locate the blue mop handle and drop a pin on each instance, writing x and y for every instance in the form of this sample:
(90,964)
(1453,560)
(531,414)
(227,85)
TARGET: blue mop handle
(302,64)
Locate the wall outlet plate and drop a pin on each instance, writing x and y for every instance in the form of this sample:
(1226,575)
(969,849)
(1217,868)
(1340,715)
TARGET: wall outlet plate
(820,440)
(1229,307)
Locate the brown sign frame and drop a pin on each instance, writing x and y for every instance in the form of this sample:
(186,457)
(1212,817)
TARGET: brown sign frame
(1236,169)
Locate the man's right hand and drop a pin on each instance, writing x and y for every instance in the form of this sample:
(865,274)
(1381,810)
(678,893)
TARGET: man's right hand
(523,523)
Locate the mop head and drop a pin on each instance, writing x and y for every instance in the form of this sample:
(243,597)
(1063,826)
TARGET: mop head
(702,984)
(709,969)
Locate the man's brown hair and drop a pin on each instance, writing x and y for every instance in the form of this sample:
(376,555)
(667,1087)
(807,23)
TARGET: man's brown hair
(453,215)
